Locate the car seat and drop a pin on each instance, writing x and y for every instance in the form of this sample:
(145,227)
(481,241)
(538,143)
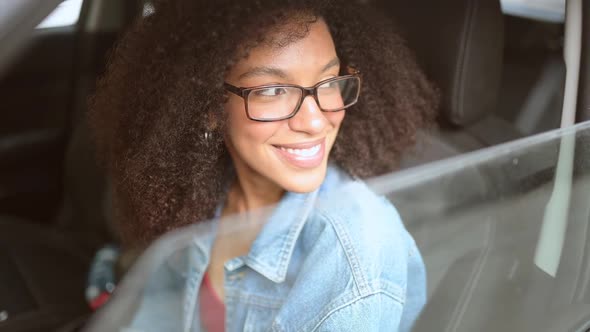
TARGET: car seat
(459,44)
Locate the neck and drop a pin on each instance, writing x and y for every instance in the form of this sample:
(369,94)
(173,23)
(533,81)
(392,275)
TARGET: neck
(252,192)
(249,191)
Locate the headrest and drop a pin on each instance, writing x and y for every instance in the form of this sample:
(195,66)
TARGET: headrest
(459,43)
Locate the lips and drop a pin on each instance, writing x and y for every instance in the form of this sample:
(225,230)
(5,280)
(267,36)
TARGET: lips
(302,155)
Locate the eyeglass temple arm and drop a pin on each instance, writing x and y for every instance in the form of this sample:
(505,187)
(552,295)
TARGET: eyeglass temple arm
(233,89)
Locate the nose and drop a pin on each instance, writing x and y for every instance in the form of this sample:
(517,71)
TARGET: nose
(310,118)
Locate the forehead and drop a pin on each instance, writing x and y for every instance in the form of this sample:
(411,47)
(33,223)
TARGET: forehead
(311,51)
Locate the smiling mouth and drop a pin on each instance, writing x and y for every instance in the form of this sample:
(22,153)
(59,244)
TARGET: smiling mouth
(307,153)
(303,155)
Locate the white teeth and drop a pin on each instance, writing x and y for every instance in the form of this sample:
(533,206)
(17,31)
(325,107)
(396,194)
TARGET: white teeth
(303,152)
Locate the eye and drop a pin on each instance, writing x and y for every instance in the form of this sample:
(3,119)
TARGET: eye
(270,92)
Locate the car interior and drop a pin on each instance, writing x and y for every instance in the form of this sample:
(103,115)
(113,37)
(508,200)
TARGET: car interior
(501,78)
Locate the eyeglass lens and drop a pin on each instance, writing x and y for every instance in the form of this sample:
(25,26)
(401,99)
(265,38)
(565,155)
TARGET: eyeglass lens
(280,102)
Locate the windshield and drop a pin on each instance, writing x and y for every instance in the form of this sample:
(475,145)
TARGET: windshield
(503,233)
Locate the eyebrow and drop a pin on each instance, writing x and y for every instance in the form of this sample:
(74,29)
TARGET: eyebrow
(334,62)
(273,71)
(263,71)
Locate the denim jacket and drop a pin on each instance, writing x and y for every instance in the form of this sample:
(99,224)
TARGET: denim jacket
(336,259)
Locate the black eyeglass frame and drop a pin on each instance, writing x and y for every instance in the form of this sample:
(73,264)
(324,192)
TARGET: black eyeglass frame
(305,91)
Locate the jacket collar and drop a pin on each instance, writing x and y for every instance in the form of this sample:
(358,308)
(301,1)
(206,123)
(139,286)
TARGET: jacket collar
(272,250)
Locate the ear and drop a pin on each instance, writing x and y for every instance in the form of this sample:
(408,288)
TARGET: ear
(212,121)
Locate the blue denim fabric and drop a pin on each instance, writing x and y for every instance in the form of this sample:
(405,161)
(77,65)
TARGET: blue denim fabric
(337,259)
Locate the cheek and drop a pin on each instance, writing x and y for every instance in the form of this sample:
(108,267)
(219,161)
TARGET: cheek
(243,132)
(335,118)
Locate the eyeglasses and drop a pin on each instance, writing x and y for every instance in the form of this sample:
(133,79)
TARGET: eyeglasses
(277,102)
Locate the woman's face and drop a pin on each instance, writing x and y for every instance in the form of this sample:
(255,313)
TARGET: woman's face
(291,153)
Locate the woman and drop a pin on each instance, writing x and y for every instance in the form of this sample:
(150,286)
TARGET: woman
(212,108)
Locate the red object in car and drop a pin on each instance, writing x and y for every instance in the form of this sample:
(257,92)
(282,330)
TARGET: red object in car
(100,300)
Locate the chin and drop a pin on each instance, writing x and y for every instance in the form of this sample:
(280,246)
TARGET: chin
(304,183)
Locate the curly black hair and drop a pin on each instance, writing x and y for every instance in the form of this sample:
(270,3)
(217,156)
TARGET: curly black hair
(163,89)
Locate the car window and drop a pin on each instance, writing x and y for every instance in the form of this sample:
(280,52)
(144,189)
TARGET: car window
(66,14)
(544,10)
(502,231)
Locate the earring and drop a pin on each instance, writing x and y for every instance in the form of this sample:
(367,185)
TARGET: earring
(208,136)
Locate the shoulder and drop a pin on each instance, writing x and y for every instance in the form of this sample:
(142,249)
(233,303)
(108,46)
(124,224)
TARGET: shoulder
(369,220)
(341,193)
(368,230)
(356,256)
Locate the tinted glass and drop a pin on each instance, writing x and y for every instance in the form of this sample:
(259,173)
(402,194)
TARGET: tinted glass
(503,233)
